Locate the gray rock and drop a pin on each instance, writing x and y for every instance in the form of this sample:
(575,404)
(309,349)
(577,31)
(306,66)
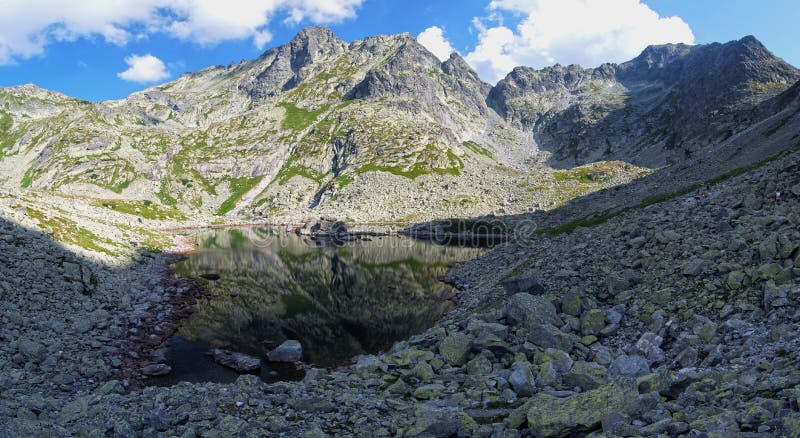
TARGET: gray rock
(593,321)
(587,375)
(522,381)
(288,351)
(648,344)
(528,310)
(158,369)
(530,284)
(237,361)
(687,357)
(548,336)
(560,359)
(695,267)
(628,366)
(455,348)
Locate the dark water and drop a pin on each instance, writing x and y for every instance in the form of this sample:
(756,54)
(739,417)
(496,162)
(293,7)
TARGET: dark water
(338,300)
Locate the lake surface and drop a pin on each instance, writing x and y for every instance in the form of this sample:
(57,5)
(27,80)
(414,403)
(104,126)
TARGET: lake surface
(338,300)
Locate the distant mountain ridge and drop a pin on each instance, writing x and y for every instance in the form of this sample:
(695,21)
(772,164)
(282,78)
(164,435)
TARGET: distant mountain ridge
(380,128)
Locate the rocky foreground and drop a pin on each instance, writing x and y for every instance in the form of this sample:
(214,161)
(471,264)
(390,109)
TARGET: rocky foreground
(678,319)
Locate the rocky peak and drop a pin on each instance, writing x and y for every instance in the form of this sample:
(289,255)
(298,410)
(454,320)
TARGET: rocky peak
(457,67)
(312,43)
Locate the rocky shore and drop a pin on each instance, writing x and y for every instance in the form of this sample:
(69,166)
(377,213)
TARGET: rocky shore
(677,319)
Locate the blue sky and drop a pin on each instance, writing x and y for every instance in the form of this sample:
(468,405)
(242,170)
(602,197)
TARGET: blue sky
(82,50)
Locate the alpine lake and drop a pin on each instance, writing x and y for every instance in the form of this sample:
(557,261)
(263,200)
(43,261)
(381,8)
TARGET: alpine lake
(338,299)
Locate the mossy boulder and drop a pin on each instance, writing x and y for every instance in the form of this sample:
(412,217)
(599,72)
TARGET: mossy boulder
(551,416)
(528,310)
(455,347)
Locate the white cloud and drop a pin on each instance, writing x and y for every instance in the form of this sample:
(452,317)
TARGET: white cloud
(433,39)
(144,69)
(585,32)
(27,26)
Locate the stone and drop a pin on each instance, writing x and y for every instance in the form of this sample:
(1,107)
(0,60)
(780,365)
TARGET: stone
(572,303)
(548,375)
(560,359)
(593,321)
(628,366)
(616,283)
(422,371)
(687,357)
(32,350)
(735,280)
(530,284)
(552,416)
(522,381)
(648,344)
(479,366)
(157,369)
(695,267)
(587,375)
(430,391)
(528,310)
(455,348)
(613,317)
(547,336)
(288,351)
(239,362)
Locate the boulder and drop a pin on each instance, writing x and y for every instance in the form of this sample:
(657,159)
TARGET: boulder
(289,351)
(528,310)
(530,284)
(455,348)
(587,375)
(649,345)
(237,361)
(521,380)
(695,267)
(552,416)
(571,303)
(323,227)
(628,366)
(548,336)
(593,321)
(156,369)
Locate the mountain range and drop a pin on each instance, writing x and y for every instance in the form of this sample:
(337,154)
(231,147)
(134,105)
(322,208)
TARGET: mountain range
(381,129)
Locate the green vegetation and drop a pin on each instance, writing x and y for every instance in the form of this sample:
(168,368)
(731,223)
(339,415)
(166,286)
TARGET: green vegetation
(5,129)
(299,119)
(582,175)
(343,180)
(478,149)
(773,129)
(239,186)
(289,171)
(145,209)
(569,227)
(27,179)
(420,167)
(164,196)
(67,231)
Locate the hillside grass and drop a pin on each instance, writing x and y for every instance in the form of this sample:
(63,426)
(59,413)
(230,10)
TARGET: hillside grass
(145,209)
(595,220)
(478,149)
(238,186)
(67,231)
(298,119)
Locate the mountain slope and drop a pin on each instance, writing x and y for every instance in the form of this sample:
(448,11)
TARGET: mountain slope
(656,109)
(379,128)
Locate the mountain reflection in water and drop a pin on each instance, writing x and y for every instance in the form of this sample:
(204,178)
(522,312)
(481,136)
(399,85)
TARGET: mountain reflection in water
(339,302)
